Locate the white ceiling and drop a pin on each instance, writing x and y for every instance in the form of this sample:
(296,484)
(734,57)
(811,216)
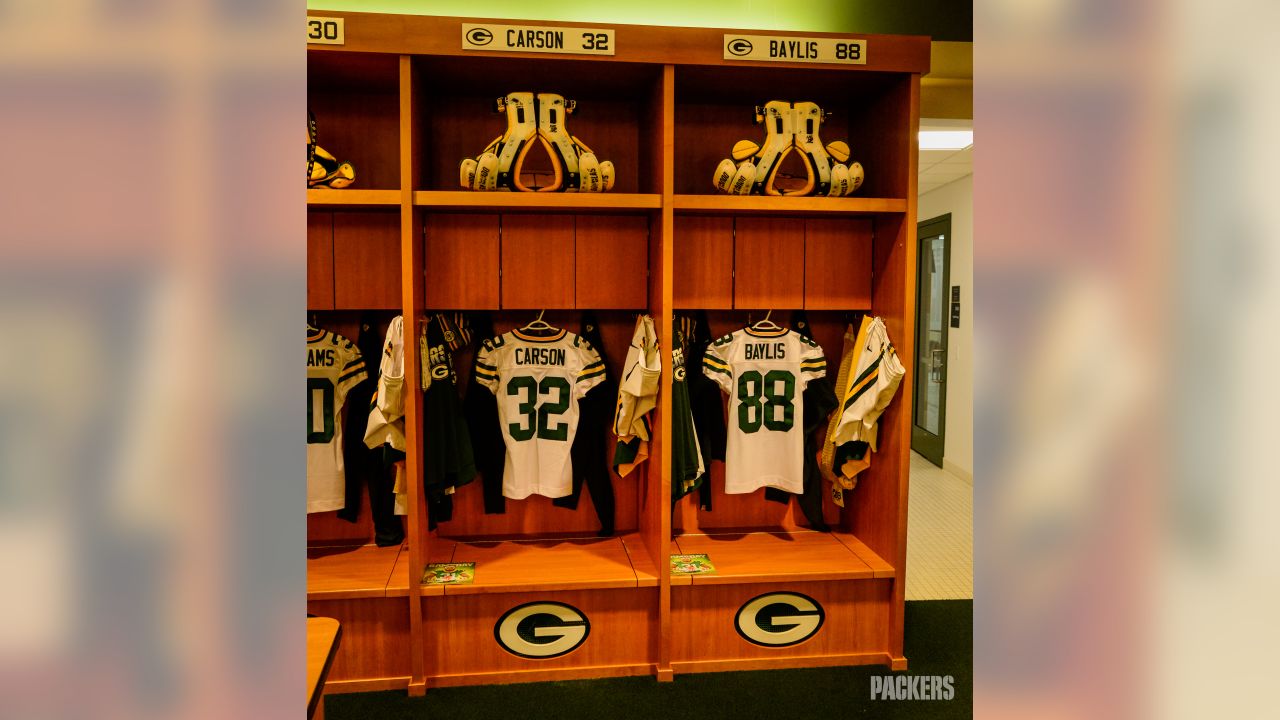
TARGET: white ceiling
(939,167)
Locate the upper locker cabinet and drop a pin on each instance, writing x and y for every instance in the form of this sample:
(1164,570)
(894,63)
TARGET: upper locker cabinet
(703,250)
(768,263)
(366,260)
(837,264)
(538,264)
(537,261)
(612,261)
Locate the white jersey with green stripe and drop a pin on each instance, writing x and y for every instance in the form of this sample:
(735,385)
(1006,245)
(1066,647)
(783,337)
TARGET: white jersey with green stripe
(538,382)
(765,373)
(334,367)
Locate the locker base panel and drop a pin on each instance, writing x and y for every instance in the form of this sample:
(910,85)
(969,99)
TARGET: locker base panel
(375,650)
(539,635)
(778,624)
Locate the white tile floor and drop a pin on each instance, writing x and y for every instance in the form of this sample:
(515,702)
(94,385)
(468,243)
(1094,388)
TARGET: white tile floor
(939,534)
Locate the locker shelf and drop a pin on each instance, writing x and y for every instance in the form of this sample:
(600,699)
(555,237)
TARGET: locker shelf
(350,572)
(780,556)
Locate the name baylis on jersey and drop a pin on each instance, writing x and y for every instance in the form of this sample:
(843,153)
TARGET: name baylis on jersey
(320,357)
(766,351)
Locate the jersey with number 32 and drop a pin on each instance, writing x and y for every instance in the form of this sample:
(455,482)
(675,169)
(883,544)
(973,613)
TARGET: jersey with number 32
(765,373)
(538,382)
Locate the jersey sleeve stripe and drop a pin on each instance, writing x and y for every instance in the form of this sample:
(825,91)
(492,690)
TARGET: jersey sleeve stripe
(352,371)
(588,376)
(706,364)
(486,366)
(593,366)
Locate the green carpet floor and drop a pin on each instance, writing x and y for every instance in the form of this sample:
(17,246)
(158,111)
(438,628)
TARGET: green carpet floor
(939,641)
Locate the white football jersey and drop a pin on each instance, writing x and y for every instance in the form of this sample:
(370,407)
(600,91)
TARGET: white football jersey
(538,382)
(765,373)
(334,367)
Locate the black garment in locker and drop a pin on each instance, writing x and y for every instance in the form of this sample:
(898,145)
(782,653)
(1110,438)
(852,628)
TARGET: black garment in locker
(481,409)
(819,401)
(704,399)
(448,459)
(589,454)
(365,467)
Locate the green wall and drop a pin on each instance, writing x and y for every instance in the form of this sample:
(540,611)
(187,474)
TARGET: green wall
(941,19)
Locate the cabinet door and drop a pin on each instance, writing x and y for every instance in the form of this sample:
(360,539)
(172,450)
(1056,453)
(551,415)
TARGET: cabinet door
(768,263)
(366,260)
(703,272)
(537,261)
(837,264)
(462,262)
(612,261)
(319,261)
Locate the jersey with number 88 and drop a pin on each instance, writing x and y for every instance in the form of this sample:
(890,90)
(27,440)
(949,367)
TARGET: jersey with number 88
(765,373)
(538,382)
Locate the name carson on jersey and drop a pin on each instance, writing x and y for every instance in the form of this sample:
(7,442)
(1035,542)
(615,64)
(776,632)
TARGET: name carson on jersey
(539,356)
(766,351)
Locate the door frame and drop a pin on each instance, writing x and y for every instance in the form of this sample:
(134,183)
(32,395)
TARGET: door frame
(940,225)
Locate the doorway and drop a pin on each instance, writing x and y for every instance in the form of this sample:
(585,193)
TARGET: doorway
(933,263)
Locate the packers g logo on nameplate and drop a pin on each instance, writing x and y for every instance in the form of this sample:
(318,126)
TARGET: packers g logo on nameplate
(541,630)
(537,38)
(788,48)
(779,619)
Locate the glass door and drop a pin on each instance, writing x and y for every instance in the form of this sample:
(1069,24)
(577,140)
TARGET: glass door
(929,416)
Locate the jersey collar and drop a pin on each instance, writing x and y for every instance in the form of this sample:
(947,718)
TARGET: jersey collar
(314,333)
(767,333)
(537,339)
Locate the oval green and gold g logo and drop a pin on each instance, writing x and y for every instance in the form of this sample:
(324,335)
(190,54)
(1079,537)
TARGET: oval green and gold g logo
(779,619)
(541,630)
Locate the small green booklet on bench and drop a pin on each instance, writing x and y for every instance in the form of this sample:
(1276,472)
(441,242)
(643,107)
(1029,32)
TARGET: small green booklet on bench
(449,574)
(692,565)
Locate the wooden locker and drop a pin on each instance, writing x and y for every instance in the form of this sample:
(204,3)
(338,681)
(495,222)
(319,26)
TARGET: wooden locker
(612,261)
(537,261)
(837,264)
(319,260)
(703,266)
(366,260)
(768,263)
(462,261)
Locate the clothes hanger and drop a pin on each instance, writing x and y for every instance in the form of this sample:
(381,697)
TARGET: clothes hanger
(766,323)
(538,325)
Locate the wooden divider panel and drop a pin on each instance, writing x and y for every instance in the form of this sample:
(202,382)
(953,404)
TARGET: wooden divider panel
(703,270)
(537,261)
(768,263)
(366,259)
(462,257)
(319,260)
(837,264)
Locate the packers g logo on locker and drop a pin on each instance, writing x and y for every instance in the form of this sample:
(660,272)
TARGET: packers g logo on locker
(541,630)
(480,36)
(779,619)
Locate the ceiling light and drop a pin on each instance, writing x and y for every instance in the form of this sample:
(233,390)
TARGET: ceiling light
(945,139)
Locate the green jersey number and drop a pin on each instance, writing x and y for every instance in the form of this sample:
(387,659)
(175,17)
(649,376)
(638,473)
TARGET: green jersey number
(319,395)
(538,419)
(759,398)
